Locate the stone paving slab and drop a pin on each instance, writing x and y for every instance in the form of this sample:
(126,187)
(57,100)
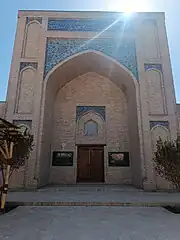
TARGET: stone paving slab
(86,194)
(89,223)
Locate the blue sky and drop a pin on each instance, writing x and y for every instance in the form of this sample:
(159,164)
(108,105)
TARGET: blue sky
(8,18)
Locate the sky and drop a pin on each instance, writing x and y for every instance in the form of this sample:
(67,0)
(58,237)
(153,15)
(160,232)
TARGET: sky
(8,18)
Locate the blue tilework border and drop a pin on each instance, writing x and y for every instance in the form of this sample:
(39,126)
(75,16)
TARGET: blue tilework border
(27,123)
(122,50)
(149,66)
(80,110)
(30,19)
(160,123)
(28,64)
(90,25)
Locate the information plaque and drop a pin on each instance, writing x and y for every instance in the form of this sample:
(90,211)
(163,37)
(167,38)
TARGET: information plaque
(62,158)
(118,159)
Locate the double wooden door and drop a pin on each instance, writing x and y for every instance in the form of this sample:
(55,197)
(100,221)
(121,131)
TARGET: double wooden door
(90,164)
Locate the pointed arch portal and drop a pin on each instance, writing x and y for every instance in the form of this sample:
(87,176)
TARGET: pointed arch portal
(59,77)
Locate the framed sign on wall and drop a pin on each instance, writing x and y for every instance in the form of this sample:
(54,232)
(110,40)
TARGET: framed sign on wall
(118,159)
(62,158)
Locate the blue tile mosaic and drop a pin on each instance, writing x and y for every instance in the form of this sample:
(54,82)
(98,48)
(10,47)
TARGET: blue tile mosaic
(80,110)
(89,25)
(160,123)
(122,50)
(28,64)
(149,66)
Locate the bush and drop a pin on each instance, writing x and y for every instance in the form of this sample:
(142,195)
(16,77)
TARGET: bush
(167,160)
(23,145)
(16,145)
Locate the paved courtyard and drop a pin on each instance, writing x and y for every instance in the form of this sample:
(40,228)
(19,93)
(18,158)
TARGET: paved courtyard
(94,193)
(89,223)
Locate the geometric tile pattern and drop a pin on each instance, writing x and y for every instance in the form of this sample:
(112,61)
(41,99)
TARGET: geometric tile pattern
(149,66)
(81,110)
(27,123)
(90,25)
(29,19)
(122,50)
(28,64)
(160,123)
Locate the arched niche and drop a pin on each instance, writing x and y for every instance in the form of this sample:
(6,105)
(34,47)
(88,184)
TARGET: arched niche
(150,39)
(155,89)
(91,118)
(157,132)
(31,40)
(91,128)
(25,93)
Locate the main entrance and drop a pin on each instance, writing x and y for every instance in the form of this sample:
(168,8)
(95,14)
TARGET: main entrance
(91,109)
(90,164)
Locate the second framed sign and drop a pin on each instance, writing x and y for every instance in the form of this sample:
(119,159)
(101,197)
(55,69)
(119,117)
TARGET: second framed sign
(118,159)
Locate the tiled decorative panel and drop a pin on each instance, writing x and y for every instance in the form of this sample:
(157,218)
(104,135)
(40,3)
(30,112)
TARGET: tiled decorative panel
(30,19)
(81,110)
(28,64)
(122,50)
(89,25)
(159,123)
(149,66)
(27,123)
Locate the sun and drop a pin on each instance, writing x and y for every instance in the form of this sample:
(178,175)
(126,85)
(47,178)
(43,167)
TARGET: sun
(129,6)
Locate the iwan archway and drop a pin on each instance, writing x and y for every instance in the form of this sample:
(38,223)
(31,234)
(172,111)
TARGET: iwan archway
(92,90)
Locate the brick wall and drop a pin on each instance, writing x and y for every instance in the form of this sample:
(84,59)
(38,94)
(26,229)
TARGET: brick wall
(178,115)
(2,109)
(79,92)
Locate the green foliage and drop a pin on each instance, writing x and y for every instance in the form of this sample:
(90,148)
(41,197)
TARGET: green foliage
(22,150)
(23,145)
(167,160)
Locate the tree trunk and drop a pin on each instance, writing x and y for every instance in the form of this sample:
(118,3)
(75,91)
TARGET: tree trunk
(5,189)
(1,183)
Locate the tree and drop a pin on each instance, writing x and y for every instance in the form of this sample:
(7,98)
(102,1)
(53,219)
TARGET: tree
(16,145)
(167,160)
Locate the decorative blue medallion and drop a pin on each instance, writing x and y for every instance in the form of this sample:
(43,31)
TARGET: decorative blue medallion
(159,123)
(90,25)
(81,110)
(122,50)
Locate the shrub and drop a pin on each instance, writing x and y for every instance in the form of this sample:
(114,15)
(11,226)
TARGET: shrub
(167,160)
(16,145)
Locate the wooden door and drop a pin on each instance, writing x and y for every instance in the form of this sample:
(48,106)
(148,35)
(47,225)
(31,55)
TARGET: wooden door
(83,164)
(97,164)
(90,164)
